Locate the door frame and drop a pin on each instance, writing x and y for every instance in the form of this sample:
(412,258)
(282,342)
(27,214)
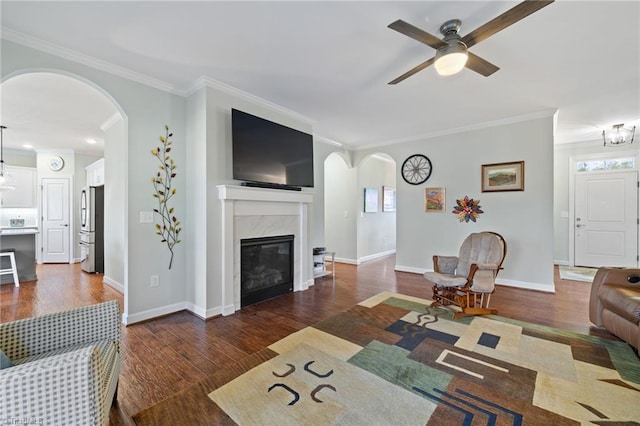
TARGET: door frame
(611,153)
(39,241)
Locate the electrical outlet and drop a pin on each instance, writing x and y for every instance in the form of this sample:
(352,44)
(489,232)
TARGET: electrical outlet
(155,281)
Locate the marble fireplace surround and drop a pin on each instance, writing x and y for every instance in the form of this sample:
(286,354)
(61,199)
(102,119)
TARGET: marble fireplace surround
(259,212)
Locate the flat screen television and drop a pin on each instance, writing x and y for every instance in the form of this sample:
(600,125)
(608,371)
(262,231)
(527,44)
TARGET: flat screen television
(270,154)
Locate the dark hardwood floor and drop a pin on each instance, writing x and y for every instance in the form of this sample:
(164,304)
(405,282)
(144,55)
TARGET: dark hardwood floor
(168,354)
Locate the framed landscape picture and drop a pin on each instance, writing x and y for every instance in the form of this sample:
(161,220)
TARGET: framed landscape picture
(499,177)
(434,200)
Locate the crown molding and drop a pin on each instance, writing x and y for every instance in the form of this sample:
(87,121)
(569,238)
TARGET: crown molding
(110,121)
(328,141)
(208,82)
(462,129)
(81,58)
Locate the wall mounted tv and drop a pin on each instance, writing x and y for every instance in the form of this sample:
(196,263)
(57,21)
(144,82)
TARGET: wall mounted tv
(270,154)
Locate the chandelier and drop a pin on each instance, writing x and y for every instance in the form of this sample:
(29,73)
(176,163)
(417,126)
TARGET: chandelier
(620,136)
(6,180)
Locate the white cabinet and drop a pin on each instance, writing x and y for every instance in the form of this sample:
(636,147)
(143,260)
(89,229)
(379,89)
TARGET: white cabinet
(24,196)
(95,173)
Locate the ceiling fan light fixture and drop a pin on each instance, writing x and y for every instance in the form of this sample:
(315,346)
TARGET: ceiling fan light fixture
(451,59)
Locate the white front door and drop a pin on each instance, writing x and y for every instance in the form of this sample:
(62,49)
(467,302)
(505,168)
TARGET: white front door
(56,232)
(606,219)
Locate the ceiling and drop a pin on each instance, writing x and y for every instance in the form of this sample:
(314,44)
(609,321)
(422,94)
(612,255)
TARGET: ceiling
(331,61)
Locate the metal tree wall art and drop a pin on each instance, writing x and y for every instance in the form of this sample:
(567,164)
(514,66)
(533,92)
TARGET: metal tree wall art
(467,209)
(169,227)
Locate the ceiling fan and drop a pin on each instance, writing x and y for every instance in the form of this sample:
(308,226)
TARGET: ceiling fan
(452,50)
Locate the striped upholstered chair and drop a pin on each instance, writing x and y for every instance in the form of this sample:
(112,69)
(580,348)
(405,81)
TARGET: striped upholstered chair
(65,366)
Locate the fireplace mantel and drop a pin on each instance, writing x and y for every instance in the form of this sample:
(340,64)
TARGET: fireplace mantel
(247,193)
(249,212)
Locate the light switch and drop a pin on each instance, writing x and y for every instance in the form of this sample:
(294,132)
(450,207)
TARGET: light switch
(146,217)
(346,214)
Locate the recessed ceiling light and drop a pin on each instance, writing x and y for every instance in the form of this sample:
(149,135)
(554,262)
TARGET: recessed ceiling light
(91,141)
(27,145)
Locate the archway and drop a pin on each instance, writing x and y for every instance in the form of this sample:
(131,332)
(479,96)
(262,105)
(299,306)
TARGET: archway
(357,234)
(55,111)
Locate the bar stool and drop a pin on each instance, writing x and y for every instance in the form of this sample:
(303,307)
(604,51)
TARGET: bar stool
(13,270)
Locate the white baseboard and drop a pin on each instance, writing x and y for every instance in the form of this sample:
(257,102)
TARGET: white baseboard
(505,282)
(203,313)
(547,288)
(561,262)
(376,256)
(128,319)
(113,284)
(345,260)
(412,270)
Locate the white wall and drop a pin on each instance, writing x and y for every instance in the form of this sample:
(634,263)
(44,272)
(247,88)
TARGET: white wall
(376,231)
(341,208)
(525,218)
(146,110)
(22,158)
(114,204)
(197,203)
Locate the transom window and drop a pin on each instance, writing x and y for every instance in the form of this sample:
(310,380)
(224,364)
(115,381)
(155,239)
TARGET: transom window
(608,164)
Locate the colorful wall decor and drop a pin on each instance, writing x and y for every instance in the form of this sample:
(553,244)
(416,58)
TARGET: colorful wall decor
(434,200)
(467,209)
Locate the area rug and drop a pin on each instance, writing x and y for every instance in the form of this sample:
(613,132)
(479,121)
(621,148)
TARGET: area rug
(577,273)
(394,360)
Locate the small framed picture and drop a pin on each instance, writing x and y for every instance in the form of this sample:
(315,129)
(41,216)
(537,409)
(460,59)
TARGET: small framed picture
(388,199)
(498,177)
(434,200)
(370,200)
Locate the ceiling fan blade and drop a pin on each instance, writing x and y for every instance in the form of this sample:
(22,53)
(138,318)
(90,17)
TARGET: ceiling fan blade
(479,65)
(416,33)
(501,22)
(412,71)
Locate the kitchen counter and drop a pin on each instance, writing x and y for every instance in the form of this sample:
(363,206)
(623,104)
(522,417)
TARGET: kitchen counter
(23,242)
(26,230)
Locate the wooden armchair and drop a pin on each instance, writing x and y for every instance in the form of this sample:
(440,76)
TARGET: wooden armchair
(468,280)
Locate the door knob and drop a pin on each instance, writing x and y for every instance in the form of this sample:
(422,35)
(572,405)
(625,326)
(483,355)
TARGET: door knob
(579,226)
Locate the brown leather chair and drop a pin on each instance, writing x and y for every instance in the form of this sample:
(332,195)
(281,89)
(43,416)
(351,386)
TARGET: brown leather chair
(468,280)
(615,303)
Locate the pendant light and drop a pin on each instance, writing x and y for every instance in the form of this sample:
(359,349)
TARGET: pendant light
(6,180)
(619,136)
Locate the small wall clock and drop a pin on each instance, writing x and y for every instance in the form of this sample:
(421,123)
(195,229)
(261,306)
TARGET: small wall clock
(56,163)
(416,169)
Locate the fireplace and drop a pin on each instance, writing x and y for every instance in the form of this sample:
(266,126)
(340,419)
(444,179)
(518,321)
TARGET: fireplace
(266,268)
(257,212)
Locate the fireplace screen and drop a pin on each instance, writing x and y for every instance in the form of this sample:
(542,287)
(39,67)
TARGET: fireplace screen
(266,268)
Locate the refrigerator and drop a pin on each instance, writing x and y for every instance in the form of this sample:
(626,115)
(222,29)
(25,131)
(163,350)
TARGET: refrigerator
(92,229)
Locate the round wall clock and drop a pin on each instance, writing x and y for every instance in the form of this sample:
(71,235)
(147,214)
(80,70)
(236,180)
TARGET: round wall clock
(416,169)
(56,163)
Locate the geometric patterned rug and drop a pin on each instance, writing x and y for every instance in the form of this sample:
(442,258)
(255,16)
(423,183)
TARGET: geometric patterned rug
(393,359)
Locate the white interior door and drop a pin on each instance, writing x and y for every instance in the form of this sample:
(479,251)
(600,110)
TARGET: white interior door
(56,232)
(606,219)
